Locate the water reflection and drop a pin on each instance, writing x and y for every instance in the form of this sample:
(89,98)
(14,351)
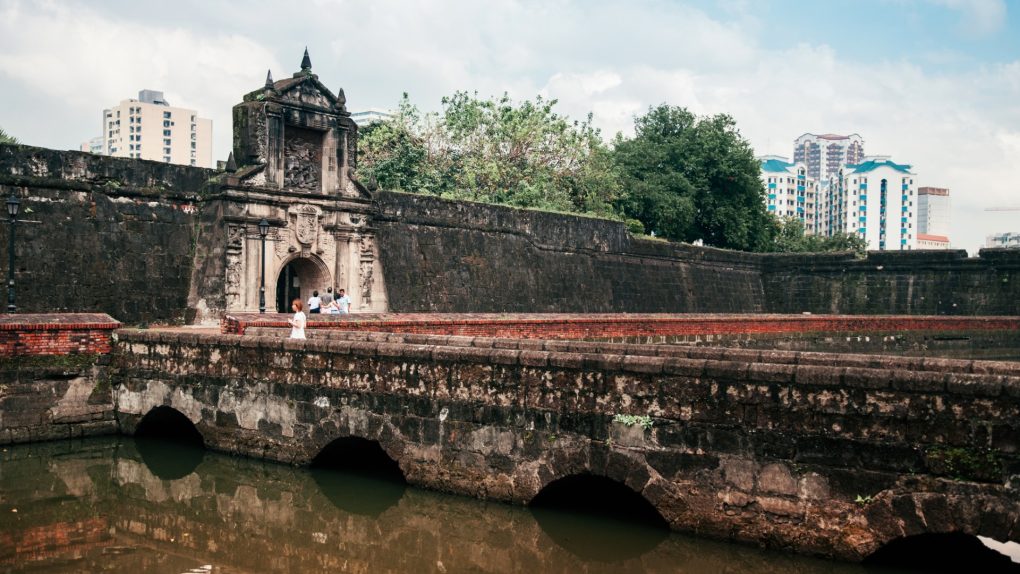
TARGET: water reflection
(169,460)
(358,493)
(108,505)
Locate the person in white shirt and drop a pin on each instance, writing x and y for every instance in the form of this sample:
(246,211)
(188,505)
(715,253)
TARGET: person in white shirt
(314,303)
(342,302)
(297,324)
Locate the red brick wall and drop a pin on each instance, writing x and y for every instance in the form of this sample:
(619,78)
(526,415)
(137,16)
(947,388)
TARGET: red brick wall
(567,326)
(56,334)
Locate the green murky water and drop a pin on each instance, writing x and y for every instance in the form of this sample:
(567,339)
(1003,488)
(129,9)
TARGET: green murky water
(120,505)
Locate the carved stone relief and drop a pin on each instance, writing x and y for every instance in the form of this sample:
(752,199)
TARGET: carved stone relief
(302,159)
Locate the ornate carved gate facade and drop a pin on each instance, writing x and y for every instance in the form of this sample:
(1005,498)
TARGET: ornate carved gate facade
(296,147)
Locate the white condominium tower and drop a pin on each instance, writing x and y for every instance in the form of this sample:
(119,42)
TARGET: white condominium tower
(825,154)
(790,192)
(150,128)
(876,200)
(933,210)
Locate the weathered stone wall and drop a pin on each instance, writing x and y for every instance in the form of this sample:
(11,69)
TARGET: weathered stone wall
(909,282)
(53,384)
(449,256)
(101,234)
(50,397)
(145,242)
(759,446)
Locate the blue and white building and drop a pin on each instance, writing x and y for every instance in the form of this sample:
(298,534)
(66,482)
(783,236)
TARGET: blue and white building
(876,199)
(790,191)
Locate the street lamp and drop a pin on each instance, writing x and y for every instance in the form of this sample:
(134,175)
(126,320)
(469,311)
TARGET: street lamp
(13,205)
(263,232)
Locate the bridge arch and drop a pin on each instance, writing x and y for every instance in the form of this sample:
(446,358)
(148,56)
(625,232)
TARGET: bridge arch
(358,475)
(937,524)
(942,552)
(168,423)
(169,443)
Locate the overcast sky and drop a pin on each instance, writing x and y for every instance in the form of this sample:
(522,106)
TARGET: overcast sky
(933,83)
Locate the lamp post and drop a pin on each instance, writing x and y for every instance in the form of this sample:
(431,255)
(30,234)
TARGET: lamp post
(12,211)
(263,232)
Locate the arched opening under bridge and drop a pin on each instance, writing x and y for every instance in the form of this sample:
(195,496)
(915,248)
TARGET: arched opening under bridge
(358,476)
(946,552)
(169,443)
(598,518)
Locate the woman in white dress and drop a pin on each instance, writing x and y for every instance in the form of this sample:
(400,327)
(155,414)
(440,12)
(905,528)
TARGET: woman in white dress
(297,324)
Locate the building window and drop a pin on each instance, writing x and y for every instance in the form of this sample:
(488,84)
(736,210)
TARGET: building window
(166,114)
(166,142)
(166,133)
(166,123)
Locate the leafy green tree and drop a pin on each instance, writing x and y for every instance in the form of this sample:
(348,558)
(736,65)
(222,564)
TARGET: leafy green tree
(791,239)
(5,138)
(495,151)
(691,178)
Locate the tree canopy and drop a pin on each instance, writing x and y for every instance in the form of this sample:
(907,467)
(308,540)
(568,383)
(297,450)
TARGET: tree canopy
(5,138)
(496,151)
(681,177)
(791,239)
(689,178)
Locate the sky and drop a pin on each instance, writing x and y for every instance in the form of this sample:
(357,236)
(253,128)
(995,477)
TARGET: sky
(932,83)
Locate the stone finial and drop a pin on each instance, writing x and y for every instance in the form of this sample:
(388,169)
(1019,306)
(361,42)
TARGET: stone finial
(269,79)
(231,164)
(341,98)
(306,62)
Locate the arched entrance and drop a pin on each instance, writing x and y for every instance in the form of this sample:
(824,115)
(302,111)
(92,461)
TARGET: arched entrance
(298,279)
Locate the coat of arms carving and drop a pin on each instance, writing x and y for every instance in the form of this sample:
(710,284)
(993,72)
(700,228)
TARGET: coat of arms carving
(307,225)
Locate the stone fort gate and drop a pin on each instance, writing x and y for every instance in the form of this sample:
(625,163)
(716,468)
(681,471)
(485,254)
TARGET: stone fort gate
(296,145)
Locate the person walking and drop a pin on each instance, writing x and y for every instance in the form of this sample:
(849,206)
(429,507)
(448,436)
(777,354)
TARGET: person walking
(343,302)
(314,303)
(297,323)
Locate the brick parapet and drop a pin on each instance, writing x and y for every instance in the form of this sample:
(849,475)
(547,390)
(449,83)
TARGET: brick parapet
(580,326)
(56,334)
(777,357)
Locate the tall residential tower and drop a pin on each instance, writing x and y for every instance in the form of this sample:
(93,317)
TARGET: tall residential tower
(150,128)
(825,154)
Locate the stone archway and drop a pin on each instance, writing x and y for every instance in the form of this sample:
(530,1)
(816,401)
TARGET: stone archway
(298,278)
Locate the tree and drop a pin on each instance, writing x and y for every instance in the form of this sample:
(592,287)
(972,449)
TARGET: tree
(495,151)
(690,178)
(7,139)
(791,239)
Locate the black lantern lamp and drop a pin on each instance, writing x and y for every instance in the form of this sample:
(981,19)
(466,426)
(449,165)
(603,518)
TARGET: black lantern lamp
(13,205)
(263,232)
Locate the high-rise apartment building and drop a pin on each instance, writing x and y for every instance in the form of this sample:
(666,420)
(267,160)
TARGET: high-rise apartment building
(150,128)
(790,192)
(371,116)
(933,210)
(875,199)
(825,154)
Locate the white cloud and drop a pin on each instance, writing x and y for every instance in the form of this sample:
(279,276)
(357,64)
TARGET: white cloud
(980,17)
(63,62)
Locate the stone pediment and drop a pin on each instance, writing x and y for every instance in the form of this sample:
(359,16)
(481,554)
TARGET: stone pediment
(307,91)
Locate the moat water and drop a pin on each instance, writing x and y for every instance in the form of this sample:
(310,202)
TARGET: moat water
(126,505)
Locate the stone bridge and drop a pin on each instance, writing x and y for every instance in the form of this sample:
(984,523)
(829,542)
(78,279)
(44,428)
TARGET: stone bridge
(819,453)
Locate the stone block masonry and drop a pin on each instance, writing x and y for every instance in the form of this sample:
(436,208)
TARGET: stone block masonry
(766,447)
(53,383)
(149,242)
